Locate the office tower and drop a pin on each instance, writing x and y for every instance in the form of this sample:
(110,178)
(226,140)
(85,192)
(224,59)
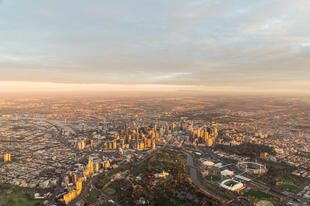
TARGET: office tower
(114,145)
(7,157)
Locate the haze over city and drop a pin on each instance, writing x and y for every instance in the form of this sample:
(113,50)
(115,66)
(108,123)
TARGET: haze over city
(154,103)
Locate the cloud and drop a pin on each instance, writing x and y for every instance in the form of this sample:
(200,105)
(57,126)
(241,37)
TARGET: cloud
(198,42)
(307,44)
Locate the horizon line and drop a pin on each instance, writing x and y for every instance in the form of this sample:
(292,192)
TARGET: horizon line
(30,86)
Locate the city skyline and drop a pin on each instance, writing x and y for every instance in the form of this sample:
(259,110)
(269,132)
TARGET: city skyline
(166,102)
(198,45)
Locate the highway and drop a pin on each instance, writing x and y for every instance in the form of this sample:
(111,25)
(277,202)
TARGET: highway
(194,177)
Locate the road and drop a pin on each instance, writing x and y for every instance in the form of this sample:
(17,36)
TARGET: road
(2,197)
(194,177)
(301,188)
(108,198)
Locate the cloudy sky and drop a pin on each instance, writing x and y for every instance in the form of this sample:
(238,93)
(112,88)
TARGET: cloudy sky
(198,44)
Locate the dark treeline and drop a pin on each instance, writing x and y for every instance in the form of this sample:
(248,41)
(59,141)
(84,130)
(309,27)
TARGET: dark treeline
(246,149)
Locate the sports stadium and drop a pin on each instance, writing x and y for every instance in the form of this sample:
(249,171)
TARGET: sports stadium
(232,185)
(252,167)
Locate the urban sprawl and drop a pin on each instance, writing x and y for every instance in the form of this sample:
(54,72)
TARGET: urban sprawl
(235,150)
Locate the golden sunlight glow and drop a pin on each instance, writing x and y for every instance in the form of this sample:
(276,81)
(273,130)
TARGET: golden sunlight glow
(23,86)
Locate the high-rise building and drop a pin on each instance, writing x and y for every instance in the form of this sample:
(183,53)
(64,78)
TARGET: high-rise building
(67,180)
(114,145)
(91,142)
(106,164)
(79,186)
(141,145)
(210,142)
(149,143)
(7,157)
(206,136)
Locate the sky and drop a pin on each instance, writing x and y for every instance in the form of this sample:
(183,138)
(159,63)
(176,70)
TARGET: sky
(222,45)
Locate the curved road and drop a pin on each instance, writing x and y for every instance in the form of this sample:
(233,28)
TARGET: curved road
(194,177)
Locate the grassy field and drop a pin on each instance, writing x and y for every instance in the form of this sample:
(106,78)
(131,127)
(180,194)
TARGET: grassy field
(213,178)
(106,204)
(17,198)
(101,181)
(221,191)
(255,196)
(288,187)
(230,183)
(110,191)
(92,196)
(279,172)
(258,194)
(172,190)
